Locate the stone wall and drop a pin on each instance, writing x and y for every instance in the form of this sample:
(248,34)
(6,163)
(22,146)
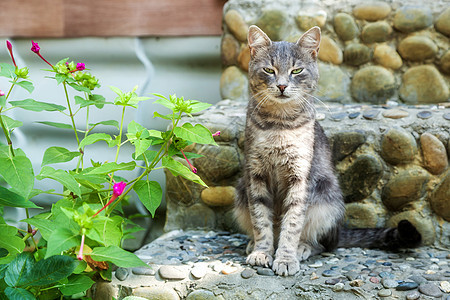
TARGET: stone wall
(392,164)
(371,52)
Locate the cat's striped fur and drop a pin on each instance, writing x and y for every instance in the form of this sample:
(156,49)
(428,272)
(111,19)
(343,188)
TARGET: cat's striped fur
(288,199)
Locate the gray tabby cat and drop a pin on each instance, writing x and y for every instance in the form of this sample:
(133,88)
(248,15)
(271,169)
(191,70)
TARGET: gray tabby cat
(288,199)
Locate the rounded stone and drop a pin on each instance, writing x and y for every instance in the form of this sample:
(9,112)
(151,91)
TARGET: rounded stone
(434,154)
(248,273)
(373,84)
(172,272)
(417,48)
(199,272)
(425,114)
(236,25)
(265,271)
(414,295)
(445,62)
(430,289)
(395,113)
(146,271)
(330,51)
(218,195)
(443,22)
(229,49)
(346,142)
(387,56)
(384,292)
(419,220)
(411,18)
(345,26)
(408,185)
(198,216)
(372,11)
(371,114)
(311,17)
(122,273)
(439,198)
(201,295)
(274,23)
(376,32)
(156,293)
(389,283)
(360,215)
(360,179)
(218,162)
(181,190)
(406,286)
(233,84)
(334,83)
(244,58)
(357,54)
(423,84)
(398,146)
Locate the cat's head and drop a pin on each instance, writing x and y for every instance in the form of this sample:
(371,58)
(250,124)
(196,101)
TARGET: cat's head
(282,72)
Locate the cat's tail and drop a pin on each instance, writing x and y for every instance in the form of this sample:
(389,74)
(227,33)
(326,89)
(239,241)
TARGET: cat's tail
(405,235)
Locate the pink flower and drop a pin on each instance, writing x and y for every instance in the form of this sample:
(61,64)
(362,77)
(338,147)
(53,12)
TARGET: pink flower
(216,134)
(9,46)
(80,252)
(81,66)
(193,169)
(2,93)
(117,191)
(35,47)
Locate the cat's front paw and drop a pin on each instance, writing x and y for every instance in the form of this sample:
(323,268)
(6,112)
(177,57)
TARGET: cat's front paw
(304,251)
(286,265)
(260,258)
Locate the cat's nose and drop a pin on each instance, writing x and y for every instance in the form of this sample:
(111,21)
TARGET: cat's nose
(282,88)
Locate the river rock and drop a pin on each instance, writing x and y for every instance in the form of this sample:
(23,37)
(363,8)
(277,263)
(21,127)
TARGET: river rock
(330,51)
(405,187)
(229,50)
(387,56)
(360,215)
(421,221)
(417,48)
(372,11)
(201,295)
(434,154)
(334,83)
(439,198)
(430,289)
(411,18)
(185,191)
(233,83)
(346,142)
(398,146)
(443,22)
(395,113)
(236,25)
(373,84)
(345,26)
(172,272)
(274,23)
(156,293)
(244,57)
(376,32)
(445,62)
(357,54)
(311,17)
(218,162)
(361,178)
(423,84)
(218,195)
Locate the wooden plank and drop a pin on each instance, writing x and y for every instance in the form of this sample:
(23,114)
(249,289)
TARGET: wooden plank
(102,18)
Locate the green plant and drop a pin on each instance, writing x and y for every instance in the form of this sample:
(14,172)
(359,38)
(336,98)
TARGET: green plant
(84,230)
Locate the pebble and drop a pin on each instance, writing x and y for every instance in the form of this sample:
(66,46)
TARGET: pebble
(265,271)
(227,270)
(122,273)
(356,283)
(200,295)
(413,295)
(198,272)
(352,275)
(338,116)
(371,114)
(247,273)
(386,275)
(353,115)
(172,272)
(333,281)
(445,286)
(389,283)
(447,116)
(384,293)
(327,254)
(395,113)
(425,114)
(144,271)
(320,116)
(433,277)
(338,287)
(330,273)
(374,280)
(430,289)
(317,264)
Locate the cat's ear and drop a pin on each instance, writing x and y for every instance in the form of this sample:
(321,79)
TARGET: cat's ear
(311,40)
(257,39)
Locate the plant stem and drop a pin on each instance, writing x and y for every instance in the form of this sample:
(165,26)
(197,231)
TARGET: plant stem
(120,134)
(71,115)
(5,131)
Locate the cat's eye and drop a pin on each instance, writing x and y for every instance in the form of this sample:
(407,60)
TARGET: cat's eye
(269,70)
(297,71)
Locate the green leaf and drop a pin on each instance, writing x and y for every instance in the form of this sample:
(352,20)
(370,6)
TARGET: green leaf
(196,134)
(93,138)
(149,155)
(33,105)
(62,177)
(18,173)
(27,85)
(76,284)
(198,106)
(112,167)
(7,70)
(177,168)
(150,194)
(107,231)
(10,241)
(57,125)
(79,88)
(61,239)
(12,199)
(107,123)
(117,256)
(19,268)
(50,270)
(97,100)
(18,294)
(11,123)
(46,227)
(54,155)
(166,117)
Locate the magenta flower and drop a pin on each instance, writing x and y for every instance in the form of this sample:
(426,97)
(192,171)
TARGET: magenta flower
(9,46)
(216,134)
(80,252)
(81,66)
(193,169)
(117,191)
(35,47)
(2,93)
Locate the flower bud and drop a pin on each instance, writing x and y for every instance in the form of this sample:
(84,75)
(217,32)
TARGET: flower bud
(118,188)
(35,47)
(81,66)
